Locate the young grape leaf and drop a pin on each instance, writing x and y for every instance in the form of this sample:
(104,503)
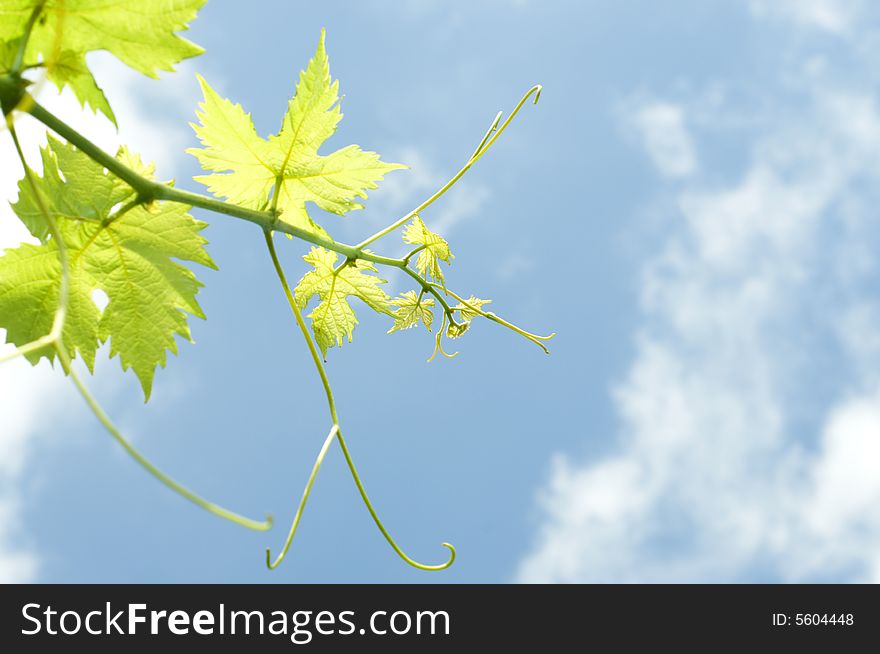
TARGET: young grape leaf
(140,34)
(70,69)
(456,331)
(410,310)
(466,311)
(245,168)
(333,319)
(436,249)
(128,254)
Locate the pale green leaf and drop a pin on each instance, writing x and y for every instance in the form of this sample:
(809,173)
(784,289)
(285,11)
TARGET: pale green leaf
(70,69)
(334,319)
(90,195)
(30,277)
(231,143)
(130,256)
(456,331)
(467,310)
(411,310)
(245,168)
(140,34)
(436,249)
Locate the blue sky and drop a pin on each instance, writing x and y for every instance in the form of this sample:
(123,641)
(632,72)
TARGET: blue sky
(690,206)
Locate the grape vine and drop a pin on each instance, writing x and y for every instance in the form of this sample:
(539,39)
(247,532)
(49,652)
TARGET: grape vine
(103,221)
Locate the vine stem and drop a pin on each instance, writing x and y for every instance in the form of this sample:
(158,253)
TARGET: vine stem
(488,315)
(487,142)
(407,258)
(151,189)
(335,432)
(148,189)
(427,286)
(18,62)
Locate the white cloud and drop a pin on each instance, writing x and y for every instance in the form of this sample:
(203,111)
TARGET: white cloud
(846,486)
(664,135)
(17,565)
(750,418)
(463,203)
(33,398)
(835,16)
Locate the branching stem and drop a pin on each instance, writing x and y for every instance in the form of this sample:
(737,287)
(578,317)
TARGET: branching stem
(534,338)
(153,190)
(335,432)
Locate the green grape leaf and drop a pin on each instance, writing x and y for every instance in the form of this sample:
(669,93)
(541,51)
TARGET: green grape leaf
(466,311)
(67,69)
(333,319)
(436,249)
(456,331)
(232,144)
(467,314)
(245,168)
(410,310)
(70,69)
(128,254)
(140,34)
(30,277)
(90,196)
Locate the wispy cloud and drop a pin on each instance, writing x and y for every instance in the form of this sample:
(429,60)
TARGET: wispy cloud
(664,135)
(749,444)
(31,399)
(835,16)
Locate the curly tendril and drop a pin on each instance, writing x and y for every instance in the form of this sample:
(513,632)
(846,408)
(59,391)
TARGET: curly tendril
(335,433)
